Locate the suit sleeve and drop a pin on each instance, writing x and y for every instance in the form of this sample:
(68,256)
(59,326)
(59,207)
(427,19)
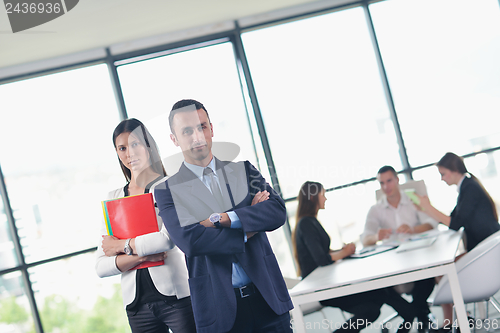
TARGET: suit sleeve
(312,240)
(268,215)
(195,239)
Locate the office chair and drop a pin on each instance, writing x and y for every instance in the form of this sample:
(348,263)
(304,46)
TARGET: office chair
(478,274)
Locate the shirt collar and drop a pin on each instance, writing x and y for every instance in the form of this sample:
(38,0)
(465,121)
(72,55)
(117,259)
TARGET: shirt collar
(460,183)
(403,201)
(198,170)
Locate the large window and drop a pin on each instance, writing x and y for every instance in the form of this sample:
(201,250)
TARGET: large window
(207,75)
(58,158)
(322,100)
(58,162)
(442,63)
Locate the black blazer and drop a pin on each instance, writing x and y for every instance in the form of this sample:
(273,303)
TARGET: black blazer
(182,200)
(473,212)
(313,245)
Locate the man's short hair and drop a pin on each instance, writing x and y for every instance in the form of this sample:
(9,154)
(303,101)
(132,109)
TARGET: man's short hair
(180,106)
(386,168)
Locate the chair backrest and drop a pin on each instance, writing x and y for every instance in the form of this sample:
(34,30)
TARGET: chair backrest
(478,273)
(417,185)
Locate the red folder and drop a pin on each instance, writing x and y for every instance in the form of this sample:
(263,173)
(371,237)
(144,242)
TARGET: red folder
(129,217)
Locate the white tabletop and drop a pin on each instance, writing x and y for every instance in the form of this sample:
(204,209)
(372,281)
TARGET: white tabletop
(352,271)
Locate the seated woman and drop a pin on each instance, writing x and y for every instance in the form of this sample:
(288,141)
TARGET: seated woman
(475,209)
(312,249)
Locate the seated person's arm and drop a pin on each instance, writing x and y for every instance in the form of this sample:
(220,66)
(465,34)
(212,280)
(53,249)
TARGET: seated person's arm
(346,251)
(430,210)
(373,233)
(422,227)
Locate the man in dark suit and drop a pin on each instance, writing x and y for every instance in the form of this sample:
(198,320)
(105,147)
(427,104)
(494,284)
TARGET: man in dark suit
(217,213)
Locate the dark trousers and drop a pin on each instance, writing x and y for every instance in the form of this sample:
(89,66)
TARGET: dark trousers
(253,315)
(365,308)
(421,291)
(158,317)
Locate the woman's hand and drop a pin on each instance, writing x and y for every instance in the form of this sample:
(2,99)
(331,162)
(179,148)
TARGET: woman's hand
(112,246)
(259,197)
(348,249)
(425,204)
(155,257)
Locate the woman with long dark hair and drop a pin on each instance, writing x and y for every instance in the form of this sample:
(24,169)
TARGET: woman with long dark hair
(475,209)
(155,298)
(312,249)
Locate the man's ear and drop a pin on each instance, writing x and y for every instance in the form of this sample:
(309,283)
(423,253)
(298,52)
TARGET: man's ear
(174,140)
(212,129)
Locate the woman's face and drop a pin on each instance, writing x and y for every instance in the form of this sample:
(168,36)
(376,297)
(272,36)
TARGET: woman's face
(448,176)
(132,152)
(322,199)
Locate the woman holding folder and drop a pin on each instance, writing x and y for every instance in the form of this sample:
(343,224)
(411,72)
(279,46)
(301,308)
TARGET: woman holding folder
(156,298)
(312,249)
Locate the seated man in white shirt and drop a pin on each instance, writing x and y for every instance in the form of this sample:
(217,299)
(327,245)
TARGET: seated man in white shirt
(395,213)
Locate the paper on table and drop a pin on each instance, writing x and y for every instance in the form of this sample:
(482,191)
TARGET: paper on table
(371,250)
(416,244)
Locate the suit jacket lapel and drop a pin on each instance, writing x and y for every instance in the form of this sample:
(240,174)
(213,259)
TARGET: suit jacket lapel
(231,181)
(198,189)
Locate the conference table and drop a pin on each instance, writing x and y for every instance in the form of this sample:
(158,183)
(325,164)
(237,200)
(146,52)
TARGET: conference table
(350,276)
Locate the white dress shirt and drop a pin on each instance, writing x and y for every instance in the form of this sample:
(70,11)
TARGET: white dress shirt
(384,216)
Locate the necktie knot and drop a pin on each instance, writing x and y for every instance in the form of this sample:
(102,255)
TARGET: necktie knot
(207,172)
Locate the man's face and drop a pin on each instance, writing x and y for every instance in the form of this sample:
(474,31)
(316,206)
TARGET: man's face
(389,183)
(193,133)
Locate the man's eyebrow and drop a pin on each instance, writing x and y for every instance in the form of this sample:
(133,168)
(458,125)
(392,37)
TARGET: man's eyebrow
(186,127)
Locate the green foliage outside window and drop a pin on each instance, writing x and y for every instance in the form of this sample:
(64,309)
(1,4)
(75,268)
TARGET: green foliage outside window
(63,316)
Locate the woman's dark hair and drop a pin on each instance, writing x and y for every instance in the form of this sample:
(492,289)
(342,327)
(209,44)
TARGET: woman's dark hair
(133,125)
(308,206)
(456,163)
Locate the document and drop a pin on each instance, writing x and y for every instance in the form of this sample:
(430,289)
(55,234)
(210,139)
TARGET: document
(416,244)
(371,250)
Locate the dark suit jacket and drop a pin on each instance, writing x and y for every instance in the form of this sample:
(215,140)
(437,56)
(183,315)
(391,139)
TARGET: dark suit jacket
(313,245)
(473,212)
(182,200)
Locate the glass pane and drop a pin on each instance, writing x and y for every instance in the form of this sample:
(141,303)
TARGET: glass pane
(444,197)
(58,158)
(8,258)
(282,252)
(209,75)
(443,69)
(15,313)
(72,298)
(322,100)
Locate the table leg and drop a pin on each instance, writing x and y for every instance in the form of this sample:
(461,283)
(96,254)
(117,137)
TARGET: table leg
(458,300)
(298,320)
